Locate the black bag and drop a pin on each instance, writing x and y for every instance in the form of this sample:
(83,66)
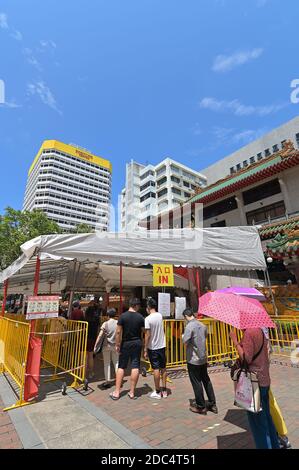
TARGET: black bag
(100,344)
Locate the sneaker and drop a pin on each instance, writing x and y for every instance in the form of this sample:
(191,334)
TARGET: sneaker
(284,442)
(164,394)
(155,395)
(200,411)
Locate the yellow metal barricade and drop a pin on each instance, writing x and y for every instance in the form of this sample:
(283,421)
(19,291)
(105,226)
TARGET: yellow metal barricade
(14,342)
(64,344)
(284,338)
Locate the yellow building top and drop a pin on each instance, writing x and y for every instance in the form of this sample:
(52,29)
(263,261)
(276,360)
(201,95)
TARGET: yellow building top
(73,151)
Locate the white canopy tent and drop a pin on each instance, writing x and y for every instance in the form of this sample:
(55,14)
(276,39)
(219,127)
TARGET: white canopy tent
(234,248)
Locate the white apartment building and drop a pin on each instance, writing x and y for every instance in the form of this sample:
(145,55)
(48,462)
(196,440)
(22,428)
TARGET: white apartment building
(151,190)
(254,152)
(71,185)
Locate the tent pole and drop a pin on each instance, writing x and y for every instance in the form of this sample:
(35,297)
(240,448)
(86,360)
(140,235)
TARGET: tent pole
(198,287)
(36,276)
(268,282)
(121,287)
(4,297)
(35,290)
(72,291)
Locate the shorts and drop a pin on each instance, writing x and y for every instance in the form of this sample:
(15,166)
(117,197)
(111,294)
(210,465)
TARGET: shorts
(130,350)
(90,344)
(157,358)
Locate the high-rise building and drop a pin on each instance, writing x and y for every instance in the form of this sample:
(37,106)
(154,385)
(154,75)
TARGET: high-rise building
(71,185)
(151,190)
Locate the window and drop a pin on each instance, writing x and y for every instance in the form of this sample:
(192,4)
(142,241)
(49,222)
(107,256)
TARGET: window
(221,223)
(252,160)
(259,156)
(261,192)
(146,174)
(232,170)
(193,187)
(146,185)
(175,179)
(161,181)
(267,153)
(297,139)
(245,163)
(219,208)
(283,143)
(187,194)
(239,167)
(147,196)
(187,185)
(160,171)
(265,213)
(175,169)
(162,192)
(275,148)
(176,191)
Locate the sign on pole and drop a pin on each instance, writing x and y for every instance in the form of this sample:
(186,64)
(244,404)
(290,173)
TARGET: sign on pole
(42,306)
(163,275)
(180,305)
(164,304)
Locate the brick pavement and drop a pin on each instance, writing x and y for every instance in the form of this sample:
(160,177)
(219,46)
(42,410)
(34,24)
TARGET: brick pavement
(168,423)
(9,438)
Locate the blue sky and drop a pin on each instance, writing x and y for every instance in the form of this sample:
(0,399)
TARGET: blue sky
(143,79)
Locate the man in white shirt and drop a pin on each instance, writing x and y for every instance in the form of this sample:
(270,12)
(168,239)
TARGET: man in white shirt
(154,348)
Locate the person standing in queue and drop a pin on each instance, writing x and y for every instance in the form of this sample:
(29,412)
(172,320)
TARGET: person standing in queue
(154,348)
(92,318)
(129,344)
(197,363)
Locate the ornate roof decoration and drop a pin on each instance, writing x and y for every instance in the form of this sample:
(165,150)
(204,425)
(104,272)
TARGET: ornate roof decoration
(270,230)
(285,246)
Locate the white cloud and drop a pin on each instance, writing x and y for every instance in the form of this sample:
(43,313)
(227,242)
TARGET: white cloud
(17,35)
(3,21)
(223,63)
(196,130)
(44,93)
(48,44)
(237,108)
(248,135)
(28,53)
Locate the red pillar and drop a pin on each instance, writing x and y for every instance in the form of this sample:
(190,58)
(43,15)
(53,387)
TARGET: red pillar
(121,287)
(198,288)
(4,297)
(36,277)
(35,291)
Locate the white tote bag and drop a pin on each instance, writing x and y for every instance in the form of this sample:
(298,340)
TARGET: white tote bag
(247,392)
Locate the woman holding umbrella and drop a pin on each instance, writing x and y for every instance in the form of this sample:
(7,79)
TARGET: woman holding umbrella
(254,347)
(250,316)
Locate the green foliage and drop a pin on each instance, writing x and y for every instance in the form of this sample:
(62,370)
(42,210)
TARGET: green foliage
(17,227)
(82,228)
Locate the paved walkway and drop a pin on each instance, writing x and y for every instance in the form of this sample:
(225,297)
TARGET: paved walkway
(92,420)
(168,423)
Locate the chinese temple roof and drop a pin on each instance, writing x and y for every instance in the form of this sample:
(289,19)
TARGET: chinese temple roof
(286,158)
(270,230)
(286,245)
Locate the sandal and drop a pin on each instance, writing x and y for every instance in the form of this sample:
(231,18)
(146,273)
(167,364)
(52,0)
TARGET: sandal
(132,398)
(113,397)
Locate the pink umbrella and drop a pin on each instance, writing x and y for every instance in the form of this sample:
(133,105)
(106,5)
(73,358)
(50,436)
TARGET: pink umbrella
(245,291)
(234,310)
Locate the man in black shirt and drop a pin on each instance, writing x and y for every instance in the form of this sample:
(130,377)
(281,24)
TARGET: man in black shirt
(129,344)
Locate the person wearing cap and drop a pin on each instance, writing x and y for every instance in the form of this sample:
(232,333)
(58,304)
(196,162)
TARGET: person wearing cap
(129,345)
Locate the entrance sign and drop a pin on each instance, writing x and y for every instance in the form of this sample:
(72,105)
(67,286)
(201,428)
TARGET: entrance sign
(163,275)
(42,306)
(164,304)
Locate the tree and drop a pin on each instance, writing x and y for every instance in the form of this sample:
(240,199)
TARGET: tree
(17,227)
(82,228)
